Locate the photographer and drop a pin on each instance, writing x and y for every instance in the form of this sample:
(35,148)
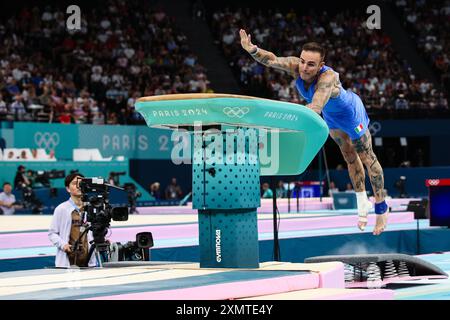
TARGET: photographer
(66,227)
(7,200)
(21,180)
(31,175)
(112,179)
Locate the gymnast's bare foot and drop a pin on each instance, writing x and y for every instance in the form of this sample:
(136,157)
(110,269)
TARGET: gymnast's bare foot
(363,211)
(380,223)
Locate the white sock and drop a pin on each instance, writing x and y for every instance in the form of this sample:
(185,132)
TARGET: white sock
(361,199)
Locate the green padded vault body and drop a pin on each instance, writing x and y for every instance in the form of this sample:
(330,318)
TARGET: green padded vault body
(302,132)
(235,140)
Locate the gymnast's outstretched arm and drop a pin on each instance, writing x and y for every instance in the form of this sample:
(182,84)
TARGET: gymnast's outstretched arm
(324,88)
(267,58)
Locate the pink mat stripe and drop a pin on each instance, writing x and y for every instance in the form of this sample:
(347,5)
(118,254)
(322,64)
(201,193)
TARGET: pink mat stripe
(234,290)
(40,239)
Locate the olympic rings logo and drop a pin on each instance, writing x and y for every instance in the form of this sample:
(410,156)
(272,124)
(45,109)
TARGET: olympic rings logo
(46,140)
(433,182)
(235,112)
(374,128)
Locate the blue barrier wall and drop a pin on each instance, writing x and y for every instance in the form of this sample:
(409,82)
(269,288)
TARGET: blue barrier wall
(102,169)
(162,170)
(146,172)
(415,179)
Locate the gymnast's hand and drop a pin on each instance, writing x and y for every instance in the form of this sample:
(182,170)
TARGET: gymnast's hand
(246,42)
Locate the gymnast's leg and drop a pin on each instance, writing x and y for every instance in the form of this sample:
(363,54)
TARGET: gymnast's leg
(363,147)
(356,173)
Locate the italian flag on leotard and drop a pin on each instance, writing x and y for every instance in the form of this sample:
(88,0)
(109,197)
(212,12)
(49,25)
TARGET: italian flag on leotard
(359,128)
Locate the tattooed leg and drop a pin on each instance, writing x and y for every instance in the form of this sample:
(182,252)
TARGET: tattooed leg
(356,173)
(354,164)
(363,147)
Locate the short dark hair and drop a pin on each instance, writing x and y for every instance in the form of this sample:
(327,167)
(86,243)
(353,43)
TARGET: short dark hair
(314,47)
(70,177)
(5,183)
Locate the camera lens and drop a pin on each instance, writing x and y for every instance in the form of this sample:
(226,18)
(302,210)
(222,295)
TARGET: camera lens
(143,241)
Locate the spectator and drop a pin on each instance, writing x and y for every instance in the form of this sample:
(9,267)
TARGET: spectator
(332,188)
(51,155)
(3,108)
(349,187)
(34,154)
(401,103)
(23,155)
(18,108)
(281,190)
(173,190)
(155,191)
(10,156)
(267,192)
(8,200)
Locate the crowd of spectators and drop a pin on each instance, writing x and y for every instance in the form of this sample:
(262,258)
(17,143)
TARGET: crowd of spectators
(364,58)
(130,49)
(428,23)
(123,51)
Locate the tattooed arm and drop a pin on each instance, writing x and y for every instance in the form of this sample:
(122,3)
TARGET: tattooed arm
(267,58)
(324,88)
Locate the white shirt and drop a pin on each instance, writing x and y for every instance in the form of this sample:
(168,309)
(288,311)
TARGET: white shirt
(3,107)
(8,199)
(59,233)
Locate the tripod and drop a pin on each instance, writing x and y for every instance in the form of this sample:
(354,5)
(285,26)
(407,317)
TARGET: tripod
(99,247)
(100,250)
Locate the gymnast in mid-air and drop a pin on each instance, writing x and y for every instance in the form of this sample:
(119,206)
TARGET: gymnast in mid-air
(345,115)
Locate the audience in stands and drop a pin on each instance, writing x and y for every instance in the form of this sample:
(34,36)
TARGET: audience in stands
(131,49)
(428,23)
(365,59)
(127,50)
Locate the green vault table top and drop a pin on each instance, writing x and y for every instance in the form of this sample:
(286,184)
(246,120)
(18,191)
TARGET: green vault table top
(295,133)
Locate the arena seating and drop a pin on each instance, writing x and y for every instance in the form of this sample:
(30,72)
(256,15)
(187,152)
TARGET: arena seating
(94,75)
(364,58)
